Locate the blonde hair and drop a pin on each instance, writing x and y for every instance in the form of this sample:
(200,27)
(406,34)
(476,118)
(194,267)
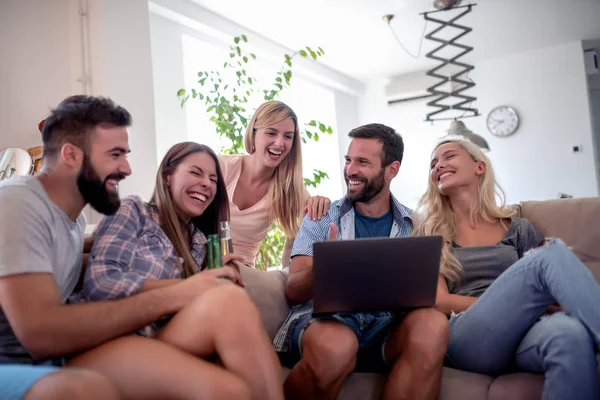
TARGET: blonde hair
(434,215)
(170,222)
(286,190)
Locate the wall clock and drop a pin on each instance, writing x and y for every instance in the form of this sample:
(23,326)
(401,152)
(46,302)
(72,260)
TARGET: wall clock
(502,121)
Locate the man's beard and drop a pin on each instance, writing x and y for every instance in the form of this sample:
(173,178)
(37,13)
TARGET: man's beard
(94,191)
(371,188)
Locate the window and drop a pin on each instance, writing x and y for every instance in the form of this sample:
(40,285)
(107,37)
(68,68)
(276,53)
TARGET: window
(307,99)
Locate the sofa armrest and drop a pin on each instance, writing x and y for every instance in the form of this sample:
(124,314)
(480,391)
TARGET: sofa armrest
(267,291)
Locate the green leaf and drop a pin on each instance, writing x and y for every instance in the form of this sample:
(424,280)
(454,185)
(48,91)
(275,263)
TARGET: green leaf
(289,63)
(253,56)
(226,86)
(184,100)
(181,92)
(236,40)
(313,54)
(279,86)
(304,140)
(322,51)
(329,130)
(312,123)
(250,82)
(303,53)
(200,96)
(244,38)
(239,51)
(309,134)
(231,55)
(225,65)
(200,73)
(216,87)
(316,137)
(322,128)
(201,81)
(245,59)
(278,79)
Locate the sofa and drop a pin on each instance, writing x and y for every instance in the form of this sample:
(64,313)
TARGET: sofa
(575,221)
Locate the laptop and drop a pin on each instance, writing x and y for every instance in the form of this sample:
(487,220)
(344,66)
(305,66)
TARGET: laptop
(375,274)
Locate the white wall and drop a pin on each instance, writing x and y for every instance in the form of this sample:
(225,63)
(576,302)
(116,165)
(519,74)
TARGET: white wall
(122,69)
(548,88)
(346,111)
(41,62)
(39,65)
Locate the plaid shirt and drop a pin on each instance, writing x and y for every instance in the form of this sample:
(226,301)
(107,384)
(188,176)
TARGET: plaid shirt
(130,247)
(341,213)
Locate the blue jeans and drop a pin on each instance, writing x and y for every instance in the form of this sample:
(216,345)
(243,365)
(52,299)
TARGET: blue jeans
(371,329)
(503,327)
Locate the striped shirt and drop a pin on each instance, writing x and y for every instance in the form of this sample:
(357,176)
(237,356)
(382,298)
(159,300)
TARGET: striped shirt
(341,213)
(130,247)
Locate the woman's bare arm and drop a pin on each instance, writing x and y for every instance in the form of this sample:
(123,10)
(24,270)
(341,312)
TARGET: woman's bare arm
(447,302)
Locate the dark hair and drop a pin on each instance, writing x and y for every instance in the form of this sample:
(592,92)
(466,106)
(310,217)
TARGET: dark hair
(208,222)
(75,118)
(393,145)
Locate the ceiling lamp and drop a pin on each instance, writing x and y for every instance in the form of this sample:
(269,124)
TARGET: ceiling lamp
(445,4)
(459,128)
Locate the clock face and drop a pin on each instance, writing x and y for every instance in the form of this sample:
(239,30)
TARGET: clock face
(502,121)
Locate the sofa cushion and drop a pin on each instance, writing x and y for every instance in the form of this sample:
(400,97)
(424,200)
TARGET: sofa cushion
(575,221)
(520,386)
(456,385)
(462,385)
(267,291)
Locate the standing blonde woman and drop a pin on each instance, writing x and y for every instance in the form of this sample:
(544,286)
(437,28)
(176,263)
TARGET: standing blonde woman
(266,185)
(496,290)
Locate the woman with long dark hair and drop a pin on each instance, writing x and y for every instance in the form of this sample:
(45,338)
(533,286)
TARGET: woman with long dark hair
(147,245)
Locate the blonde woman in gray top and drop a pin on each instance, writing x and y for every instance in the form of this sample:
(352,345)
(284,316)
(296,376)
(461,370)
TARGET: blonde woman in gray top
(496,291)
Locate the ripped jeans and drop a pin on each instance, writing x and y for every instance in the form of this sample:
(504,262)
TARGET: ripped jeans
(503,327)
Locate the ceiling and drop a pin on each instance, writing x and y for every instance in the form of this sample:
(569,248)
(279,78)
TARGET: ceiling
(359,43)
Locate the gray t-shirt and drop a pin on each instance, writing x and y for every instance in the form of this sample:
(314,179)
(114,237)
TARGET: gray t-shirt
(36,236)
(483,264)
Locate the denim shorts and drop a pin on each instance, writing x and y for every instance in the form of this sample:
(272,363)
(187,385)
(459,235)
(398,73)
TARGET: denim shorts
(17,379)
(371,329)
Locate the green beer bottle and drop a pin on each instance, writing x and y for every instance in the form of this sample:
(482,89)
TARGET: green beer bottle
(214,252)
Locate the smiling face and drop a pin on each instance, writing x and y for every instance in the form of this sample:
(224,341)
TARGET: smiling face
(364,173)
(103,168)
(453,168)
(274,142)
(193,185)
